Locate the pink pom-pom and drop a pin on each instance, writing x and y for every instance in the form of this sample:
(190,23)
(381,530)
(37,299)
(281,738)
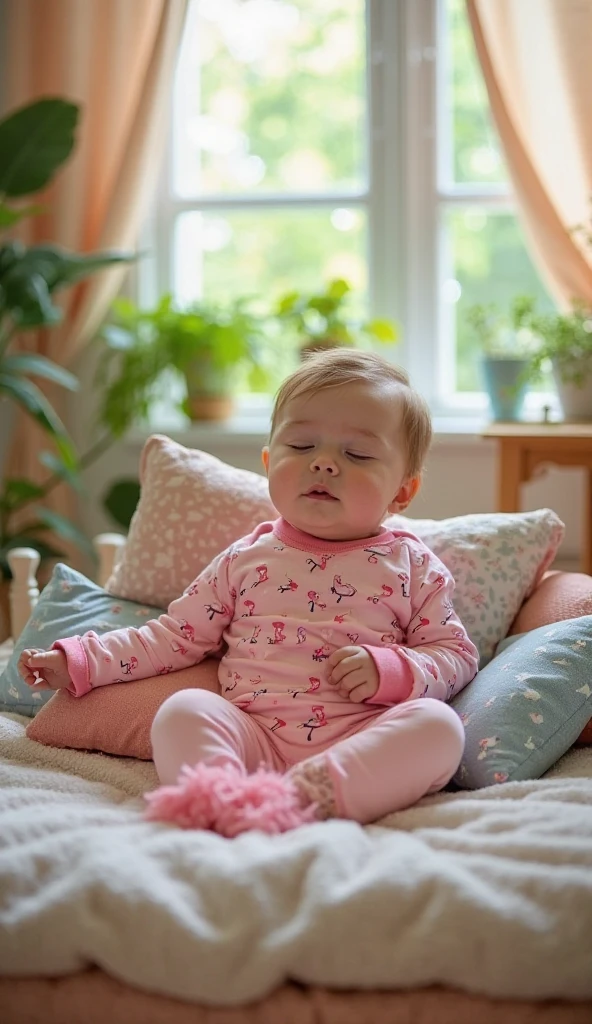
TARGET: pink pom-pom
(228,801)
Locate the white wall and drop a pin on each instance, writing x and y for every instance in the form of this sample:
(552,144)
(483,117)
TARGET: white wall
(460,478)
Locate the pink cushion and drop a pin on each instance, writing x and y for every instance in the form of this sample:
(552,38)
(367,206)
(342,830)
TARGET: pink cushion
(559,596)
(116,719)
(192,506)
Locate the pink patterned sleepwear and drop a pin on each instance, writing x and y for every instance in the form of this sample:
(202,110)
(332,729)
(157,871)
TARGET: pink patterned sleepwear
(277,603)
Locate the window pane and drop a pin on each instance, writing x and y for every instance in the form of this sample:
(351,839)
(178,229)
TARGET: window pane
(485,261)
(267,252)
(270,96)
(476,154)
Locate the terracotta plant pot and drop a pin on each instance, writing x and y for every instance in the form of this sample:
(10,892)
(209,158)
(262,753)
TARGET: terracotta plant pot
(213,408)
(209,390)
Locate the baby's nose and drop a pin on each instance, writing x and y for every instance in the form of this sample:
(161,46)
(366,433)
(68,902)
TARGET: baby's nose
(324,462)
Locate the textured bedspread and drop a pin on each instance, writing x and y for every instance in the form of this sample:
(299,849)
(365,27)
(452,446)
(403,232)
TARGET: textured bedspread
(489,892)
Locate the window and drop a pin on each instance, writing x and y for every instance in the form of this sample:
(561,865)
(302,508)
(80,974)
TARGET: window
(321,138)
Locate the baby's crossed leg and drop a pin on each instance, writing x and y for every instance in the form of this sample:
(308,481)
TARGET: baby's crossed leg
(404,753)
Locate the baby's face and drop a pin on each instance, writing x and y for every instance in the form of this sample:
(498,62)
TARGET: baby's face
(337,461)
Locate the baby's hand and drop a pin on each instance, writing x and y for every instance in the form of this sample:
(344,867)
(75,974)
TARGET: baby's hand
(353,672)
(51,666)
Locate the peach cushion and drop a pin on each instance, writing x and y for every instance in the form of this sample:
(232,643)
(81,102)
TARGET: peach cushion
(559,596)
(116,719)
(192,506)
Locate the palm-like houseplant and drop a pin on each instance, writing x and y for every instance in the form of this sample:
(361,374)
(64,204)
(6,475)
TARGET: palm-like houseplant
(34,142)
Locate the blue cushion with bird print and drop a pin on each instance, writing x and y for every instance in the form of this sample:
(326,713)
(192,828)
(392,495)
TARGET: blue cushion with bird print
(69,605)
(528,706)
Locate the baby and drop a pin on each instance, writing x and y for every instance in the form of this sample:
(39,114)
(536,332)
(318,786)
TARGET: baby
(338,638)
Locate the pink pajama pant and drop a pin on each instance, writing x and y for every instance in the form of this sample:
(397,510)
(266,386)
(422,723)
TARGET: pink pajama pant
(396,758)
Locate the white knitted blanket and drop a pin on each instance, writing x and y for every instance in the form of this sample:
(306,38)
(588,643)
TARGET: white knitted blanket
(487,891)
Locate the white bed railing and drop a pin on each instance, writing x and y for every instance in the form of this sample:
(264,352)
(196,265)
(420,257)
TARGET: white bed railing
(24,562)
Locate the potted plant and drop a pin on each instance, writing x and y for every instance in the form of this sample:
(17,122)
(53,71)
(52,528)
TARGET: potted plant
(34,142)
(505,341)
(209,344)
(565,339)
(323,319)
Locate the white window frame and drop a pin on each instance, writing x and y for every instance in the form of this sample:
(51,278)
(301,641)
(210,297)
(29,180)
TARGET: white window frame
(405,196)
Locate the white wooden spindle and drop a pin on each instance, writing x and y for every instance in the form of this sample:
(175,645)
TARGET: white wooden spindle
(24,592)
(108,547)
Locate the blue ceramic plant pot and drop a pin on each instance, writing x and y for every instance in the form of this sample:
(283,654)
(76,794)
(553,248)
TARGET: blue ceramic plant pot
(504,387)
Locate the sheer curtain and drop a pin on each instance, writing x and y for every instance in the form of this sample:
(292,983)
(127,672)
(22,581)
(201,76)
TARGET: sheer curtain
(535,57)
(116,59)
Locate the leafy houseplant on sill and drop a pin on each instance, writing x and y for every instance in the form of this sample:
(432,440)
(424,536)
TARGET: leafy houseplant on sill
(566,340)
(209,345)
(34,141)
(322,320)
(506,343)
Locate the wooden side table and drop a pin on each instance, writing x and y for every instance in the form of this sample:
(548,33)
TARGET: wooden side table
(523,447)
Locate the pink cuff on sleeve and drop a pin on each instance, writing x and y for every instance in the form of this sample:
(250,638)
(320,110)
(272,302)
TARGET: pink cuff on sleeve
(395,676)
(77,664)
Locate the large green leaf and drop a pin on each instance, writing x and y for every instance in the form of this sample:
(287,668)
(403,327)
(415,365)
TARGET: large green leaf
(28,300)
(29,276)
(34,141)
(33,401)
(17,491)
(58,267)
(39,366)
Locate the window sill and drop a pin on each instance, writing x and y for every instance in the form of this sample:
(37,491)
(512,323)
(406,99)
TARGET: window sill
(251,430)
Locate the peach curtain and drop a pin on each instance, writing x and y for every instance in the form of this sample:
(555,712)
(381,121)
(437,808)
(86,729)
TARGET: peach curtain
(535,57)
(116,59)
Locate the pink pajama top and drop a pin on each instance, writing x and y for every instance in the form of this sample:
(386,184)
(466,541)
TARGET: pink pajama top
(275,604)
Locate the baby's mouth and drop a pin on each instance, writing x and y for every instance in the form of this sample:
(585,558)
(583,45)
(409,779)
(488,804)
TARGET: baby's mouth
(320,494)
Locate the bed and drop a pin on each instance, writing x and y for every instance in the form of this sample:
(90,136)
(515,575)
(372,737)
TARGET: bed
(473,906)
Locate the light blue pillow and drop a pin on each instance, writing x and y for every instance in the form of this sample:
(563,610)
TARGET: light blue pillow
(69,605)
(528,705)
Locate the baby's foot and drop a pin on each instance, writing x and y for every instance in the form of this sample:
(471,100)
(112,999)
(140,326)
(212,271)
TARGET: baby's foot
(315,788)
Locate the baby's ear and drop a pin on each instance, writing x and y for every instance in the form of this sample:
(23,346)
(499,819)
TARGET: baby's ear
(265,457)
(405,494)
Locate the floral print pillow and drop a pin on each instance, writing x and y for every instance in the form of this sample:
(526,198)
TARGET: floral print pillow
(496,559)
(528,706)
(69,605)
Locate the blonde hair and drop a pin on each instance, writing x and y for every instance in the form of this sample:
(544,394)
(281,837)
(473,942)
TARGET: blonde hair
(335,367)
